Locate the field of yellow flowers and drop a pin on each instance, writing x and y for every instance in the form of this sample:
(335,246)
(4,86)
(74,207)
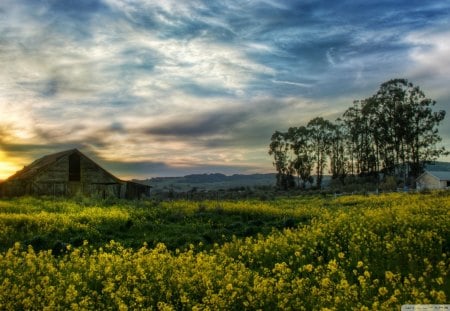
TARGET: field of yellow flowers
(321,253)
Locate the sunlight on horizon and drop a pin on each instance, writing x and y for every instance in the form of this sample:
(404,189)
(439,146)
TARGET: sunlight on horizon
(7,166)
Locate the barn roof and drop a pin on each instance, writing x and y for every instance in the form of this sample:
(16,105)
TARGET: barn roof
(39,165)
(440,175)
(43,163)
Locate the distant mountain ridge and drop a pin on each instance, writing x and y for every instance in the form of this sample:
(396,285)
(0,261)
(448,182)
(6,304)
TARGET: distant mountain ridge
(212,177)
(217,177)
(211,181)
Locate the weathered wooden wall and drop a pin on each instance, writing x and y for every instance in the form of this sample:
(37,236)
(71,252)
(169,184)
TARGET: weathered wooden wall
(136,191)
(15,188)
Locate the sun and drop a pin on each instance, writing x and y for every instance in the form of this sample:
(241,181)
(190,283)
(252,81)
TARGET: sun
(7,166)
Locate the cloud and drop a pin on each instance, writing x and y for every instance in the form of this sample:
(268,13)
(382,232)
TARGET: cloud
(299,84)
(430,53)
(197,84)
(217,122)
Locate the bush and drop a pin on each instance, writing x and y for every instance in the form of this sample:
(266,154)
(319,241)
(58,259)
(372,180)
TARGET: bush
(389,184)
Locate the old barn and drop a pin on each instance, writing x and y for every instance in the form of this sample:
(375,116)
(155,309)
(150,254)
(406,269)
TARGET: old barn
(70,173)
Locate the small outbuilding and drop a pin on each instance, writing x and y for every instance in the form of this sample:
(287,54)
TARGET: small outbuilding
(433,180)
(69,173)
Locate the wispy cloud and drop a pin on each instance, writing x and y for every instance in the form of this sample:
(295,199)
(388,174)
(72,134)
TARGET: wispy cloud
(430,53)
(292,83)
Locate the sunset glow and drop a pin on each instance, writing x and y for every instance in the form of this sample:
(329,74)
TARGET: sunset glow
(7,167)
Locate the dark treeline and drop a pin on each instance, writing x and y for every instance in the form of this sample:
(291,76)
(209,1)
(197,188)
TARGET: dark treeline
(392,133)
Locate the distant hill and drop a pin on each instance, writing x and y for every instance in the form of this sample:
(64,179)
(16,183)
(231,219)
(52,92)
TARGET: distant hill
(217,181)
(208,182)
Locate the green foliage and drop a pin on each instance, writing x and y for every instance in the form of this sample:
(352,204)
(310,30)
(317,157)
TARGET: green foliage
(320,133)
(345,253)
(390,184)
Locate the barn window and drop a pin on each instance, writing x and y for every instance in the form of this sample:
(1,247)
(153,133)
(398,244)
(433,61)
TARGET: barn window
(74,167)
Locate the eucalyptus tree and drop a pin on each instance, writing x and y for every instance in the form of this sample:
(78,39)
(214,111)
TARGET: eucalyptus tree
(370,111)
(391,117)
(410,124)
(303,160)
(338,158)
(351,124)
(370,144)
(359,135)
(319,130)
(278,148)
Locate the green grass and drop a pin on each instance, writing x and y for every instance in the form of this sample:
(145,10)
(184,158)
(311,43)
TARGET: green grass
(47,222)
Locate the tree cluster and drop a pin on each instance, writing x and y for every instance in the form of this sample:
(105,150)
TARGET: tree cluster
(392,133)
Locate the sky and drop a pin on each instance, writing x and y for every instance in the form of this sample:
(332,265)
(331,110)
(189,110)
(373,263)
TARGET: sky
(167,88)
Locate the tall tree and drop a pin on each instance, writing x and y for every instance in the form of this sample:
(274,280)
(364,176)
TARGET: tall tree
(302,162)
(320,137)
(370,110)
(338,159)
(356,122)
(279,150)
(412,125)
(351,129)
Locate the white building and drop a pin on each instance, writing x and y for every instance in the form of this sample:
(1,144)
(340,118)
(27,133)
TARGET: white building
(433,180)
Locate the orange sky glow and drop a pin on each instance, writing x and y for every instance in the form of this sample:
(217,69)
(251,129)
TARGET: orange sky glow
(8,166)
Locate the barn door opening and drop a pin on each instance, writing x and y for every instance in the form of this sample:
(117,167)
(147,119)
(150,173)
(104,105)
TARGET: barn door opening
(74,167)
